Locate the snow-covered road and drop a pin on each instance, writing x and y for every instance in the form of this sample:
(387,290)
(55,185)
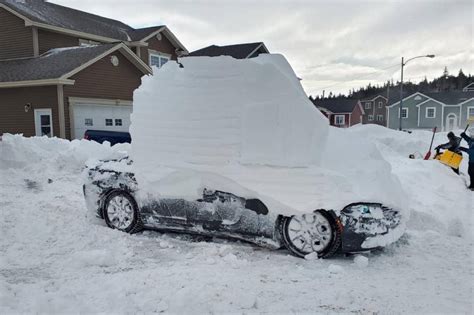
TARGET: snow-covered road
(57,258)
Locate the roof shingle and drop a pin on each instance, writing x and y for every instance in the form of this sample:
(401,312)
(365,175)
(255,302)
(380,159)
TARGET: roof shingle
(238,51)
(342,105)
(51,65)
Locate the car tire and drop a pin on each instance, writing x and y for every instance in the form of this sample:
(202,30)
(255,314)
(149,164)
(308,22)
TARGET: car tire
(120,211)
(323,247)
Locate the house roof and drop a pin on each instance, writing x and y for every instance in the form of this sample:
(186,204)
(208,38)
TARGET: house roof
(140,33)
(336,106)
(60,63)
(41,11)
(238,51)
(48,15)
(451,97)
(448,98)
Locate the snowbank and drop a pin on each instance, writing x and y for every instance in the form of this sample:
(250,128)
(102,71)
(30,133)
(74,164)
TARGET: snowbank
(221,110)
(17,151)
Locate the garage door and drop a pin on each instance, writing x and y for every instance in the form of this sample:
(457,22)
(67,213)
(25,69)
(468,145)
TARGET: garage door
(100,117)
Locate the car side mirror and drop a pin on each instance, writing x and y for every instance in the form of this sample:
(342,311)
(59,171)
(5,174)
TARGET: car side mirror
(256,205)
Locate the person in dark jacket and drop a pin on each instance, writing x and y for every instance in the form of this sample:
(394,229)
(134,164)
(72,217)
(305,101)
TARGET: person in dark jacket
(470,152)
(452,145)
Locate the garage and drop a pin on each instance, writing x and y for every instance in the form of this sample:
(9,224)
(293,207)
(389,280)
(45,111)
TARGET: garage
(89,115)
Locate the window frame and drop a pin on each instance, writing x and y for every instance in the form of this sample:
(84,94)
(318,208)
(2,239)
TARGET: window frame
(467,113)
(434,112)
(339,116)
(381,117)
(370,117)
(368,105)
(118,120)
(160,56)
(111,122)
(405,109)
(380,103)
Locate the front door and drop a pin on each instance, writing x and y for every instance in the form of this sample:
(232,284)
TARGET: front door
(43,122)
(451,122)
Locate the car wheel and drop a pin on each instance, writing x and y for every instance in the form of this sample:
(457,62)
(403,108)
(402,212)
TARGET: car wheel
(121,212)
(311,232)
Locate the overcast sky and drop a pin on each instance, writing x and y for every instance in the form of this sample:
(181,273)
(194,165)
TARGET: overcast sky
(332,45)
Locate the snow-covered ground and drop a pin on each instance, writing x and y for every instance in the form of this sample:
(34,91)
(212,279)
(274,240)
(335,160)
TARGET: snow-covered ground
(55,257)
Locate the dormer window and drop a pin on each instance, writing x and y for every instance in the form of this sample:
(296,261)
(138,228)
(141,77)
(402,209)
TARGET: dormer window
(158,60)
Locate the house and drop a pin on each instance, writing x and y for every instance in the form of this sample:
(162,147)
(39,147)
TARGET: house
(341,112)
(238,51)
(469,88)
(375,110)
(63,71)
(446,110)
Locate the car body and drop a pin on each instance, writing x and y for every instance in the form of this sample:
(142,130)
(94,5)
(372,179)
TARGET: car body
(113,137)
(225,209)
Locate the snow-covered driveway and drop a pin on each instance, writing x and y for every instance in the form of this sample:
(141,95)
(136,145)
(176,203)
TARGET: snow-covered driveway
(57,258)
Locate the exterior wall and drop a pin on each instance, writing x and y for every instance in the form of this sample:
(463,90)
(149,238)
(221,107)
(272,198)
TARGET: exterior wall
(407,123)
(48,40)
(16,40)
(464,108)
(103,81)
(163,46)
(13,118)
(332,120)
(437,121)
(356,116)
(375,111)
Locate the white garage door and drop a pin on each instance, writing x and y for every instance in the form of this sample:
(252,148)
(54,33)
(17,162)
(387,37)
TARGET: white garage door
(100,117)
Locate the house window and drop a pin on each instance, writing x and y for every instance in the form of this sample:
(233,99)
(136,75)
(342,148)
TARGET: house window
(339,120)
(367,105)
(88,122)
(118,122)
(380,104)
(379,117)
(108,122)
(404,112)
(371,117)
(470,113)
(430,112)
(158,60)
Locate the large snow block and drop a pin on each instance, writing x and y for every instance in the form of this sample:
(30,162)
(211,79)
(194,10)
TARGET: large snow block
(222,110)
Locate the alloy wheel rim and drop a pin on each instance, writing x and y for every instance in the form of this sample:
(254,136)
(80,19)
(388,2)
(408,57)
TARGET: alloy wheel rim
(310,232)
(120,212)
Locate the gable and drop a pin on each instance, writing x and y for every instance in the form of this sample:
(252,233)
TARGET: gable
(18,37)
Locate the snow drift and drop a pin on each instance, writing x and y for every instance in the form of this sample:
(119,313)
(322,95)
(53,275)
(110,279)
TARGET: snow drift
(221,110)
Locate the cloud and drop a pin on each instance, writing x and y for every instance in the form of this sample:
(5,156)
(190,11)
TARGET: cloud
(344,44)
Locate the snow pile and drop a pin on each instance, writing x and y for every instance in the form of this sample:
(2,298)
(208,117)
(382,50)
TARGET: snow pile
(17,151)
(221,110)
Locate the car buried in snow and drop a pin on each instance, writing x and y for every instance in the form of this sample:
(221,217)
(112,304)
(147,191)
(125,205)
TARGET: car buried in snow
(112,192)
(233,148)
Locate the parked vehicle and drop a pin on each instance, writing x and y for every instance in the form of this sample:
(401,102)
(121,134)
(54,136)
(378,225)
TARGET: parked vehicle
(112,192)
(113,137)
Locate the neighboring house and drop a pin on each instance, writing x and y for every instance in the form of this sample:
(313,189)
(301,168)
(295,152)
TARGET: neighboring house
(375,110)
(341,112)
(63,71)
(469,88)
(445,110)
(238,51)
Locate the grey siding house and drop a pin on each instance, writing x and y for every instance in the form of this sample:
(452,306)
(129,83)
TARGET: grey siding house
(445,110)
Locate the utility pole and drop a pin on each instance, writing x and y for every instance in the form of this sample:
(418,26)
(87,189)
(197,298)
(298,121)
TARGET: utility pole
(401,99)
(401,86)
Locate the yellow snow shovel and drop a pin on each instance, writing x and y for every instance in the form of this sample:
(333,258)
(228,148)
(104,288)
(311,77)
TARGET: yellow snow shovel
(449,158)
